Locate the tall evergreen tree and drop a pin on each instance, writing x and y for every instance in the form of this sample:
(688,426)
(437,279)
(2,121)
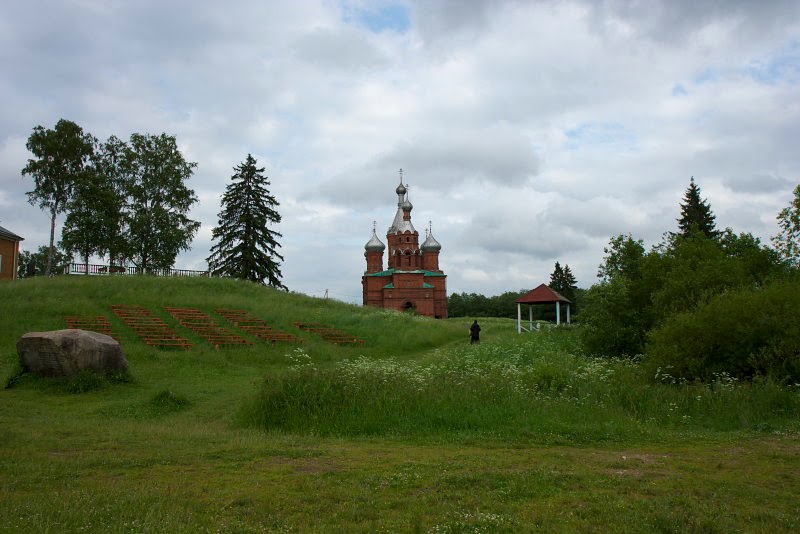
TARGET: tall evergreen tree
(158,201)
(246,247)
(787,242)
(696,214)
(61,155)
(557,278)
(569,283)
(563,281)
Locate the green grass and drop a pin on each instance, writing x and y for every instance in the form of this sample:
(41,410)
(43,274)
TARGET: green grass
(538,388)
(415,431)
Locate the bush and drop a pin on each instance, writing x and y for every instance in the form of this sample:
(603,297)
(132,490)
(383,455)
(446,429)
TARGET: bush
(612,325)
(641,292)
(743,333)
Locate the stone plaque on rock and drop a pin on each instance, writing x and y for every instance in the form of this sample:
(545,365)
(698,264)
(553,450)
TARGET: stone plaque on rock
(67,352)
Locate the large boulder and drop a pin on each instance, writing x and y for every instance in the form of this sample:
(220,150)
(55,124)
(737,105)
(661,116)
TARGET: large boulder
(67,352)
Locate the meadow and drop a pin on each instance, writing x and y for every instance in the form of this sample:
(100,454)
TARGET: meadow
(414,431)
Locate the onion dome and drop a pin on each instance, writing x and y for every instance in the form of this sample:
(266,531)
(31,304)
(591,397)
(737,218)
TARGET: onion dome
(406,205)
(430,244)
(401,189)
(374,244)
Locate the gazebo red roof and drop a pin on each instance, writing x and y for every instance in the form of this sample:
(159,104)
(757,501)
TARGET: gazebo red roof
(542,294)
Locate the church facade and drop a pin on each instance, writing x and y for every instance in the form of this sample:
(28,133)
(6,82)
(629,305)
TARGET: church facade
(412,279)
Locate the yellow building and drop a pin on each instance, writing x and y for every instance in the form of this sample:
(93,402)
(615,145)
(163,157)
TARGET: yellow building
(9,254)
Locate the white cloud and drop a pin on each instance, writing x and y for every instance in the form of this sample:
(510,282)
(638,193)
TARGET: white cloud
(529,131)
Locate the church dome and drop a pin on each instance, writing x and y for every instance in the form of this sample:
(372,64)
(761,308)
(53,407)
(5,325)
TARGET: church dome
(401,189)
(430,244)
(406,205)
(374,244)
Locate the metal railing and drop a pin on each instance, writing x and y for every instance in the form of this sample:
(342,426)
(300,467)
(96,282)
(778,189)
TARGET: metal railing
(118,270)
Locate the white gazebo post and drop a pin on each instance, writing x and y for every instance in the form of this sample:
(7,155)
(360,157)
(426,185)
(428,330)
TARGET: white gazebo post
(568,322)
(558,313)
(519,318)
(530,318)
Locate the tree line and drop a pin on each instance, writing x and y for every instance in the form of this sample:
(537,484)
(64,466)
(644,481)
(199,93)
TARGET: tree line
(128,201)
(476,305)
(702,302)
(124,200)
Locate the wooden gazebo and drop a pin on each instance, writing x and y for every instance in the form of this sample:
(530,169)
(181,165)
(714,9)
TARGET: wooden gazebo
(541,295)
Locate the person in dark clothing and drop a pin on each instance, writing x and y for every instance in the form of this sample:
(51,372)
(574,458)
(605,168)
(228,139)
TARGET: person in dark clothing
(475,333)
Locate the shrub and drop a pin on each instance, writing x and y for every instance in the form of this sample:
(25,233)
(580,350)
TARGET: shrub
(612,325)
(641,292)
(743,333)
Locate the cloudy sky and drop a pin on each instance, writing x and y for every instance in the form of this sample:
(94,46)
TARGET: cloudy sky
(529,132)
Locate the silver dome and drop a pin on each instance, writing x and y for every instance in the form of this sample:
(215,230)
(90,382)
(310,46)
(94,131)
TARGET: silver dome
(430,244)
(374,244)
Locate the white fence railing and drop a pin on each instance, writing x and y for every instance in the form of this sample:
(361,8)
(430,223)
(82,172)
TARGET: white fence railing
(100,270)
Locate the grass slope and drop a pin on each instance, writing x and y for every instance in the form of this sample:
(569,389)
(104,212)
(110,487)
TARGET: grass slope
(180,447)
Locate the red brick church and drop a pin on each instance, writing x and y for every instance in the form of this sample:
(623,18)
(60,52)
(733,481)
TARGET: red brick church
(412,279)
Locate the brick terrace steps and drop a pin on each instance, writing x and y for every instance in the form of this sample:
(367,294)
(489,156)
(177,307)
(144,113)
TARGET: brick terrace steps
(257,327)
(97,324)
(152,330)
(203,325)
(329,333)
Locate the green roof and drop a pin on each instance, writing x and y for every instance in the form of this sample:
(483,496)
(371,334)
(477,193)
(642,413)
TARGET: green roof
(390,272)
(425,286)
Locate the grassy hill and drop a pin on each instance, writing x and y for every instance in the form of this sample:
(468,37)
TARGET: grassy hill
(413,431)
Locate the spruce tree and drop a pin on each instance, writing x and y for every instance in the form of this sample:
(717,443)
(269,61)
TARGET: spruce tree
(557,278)
(563,281)
(245,246)
(568,284)
(696,215)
